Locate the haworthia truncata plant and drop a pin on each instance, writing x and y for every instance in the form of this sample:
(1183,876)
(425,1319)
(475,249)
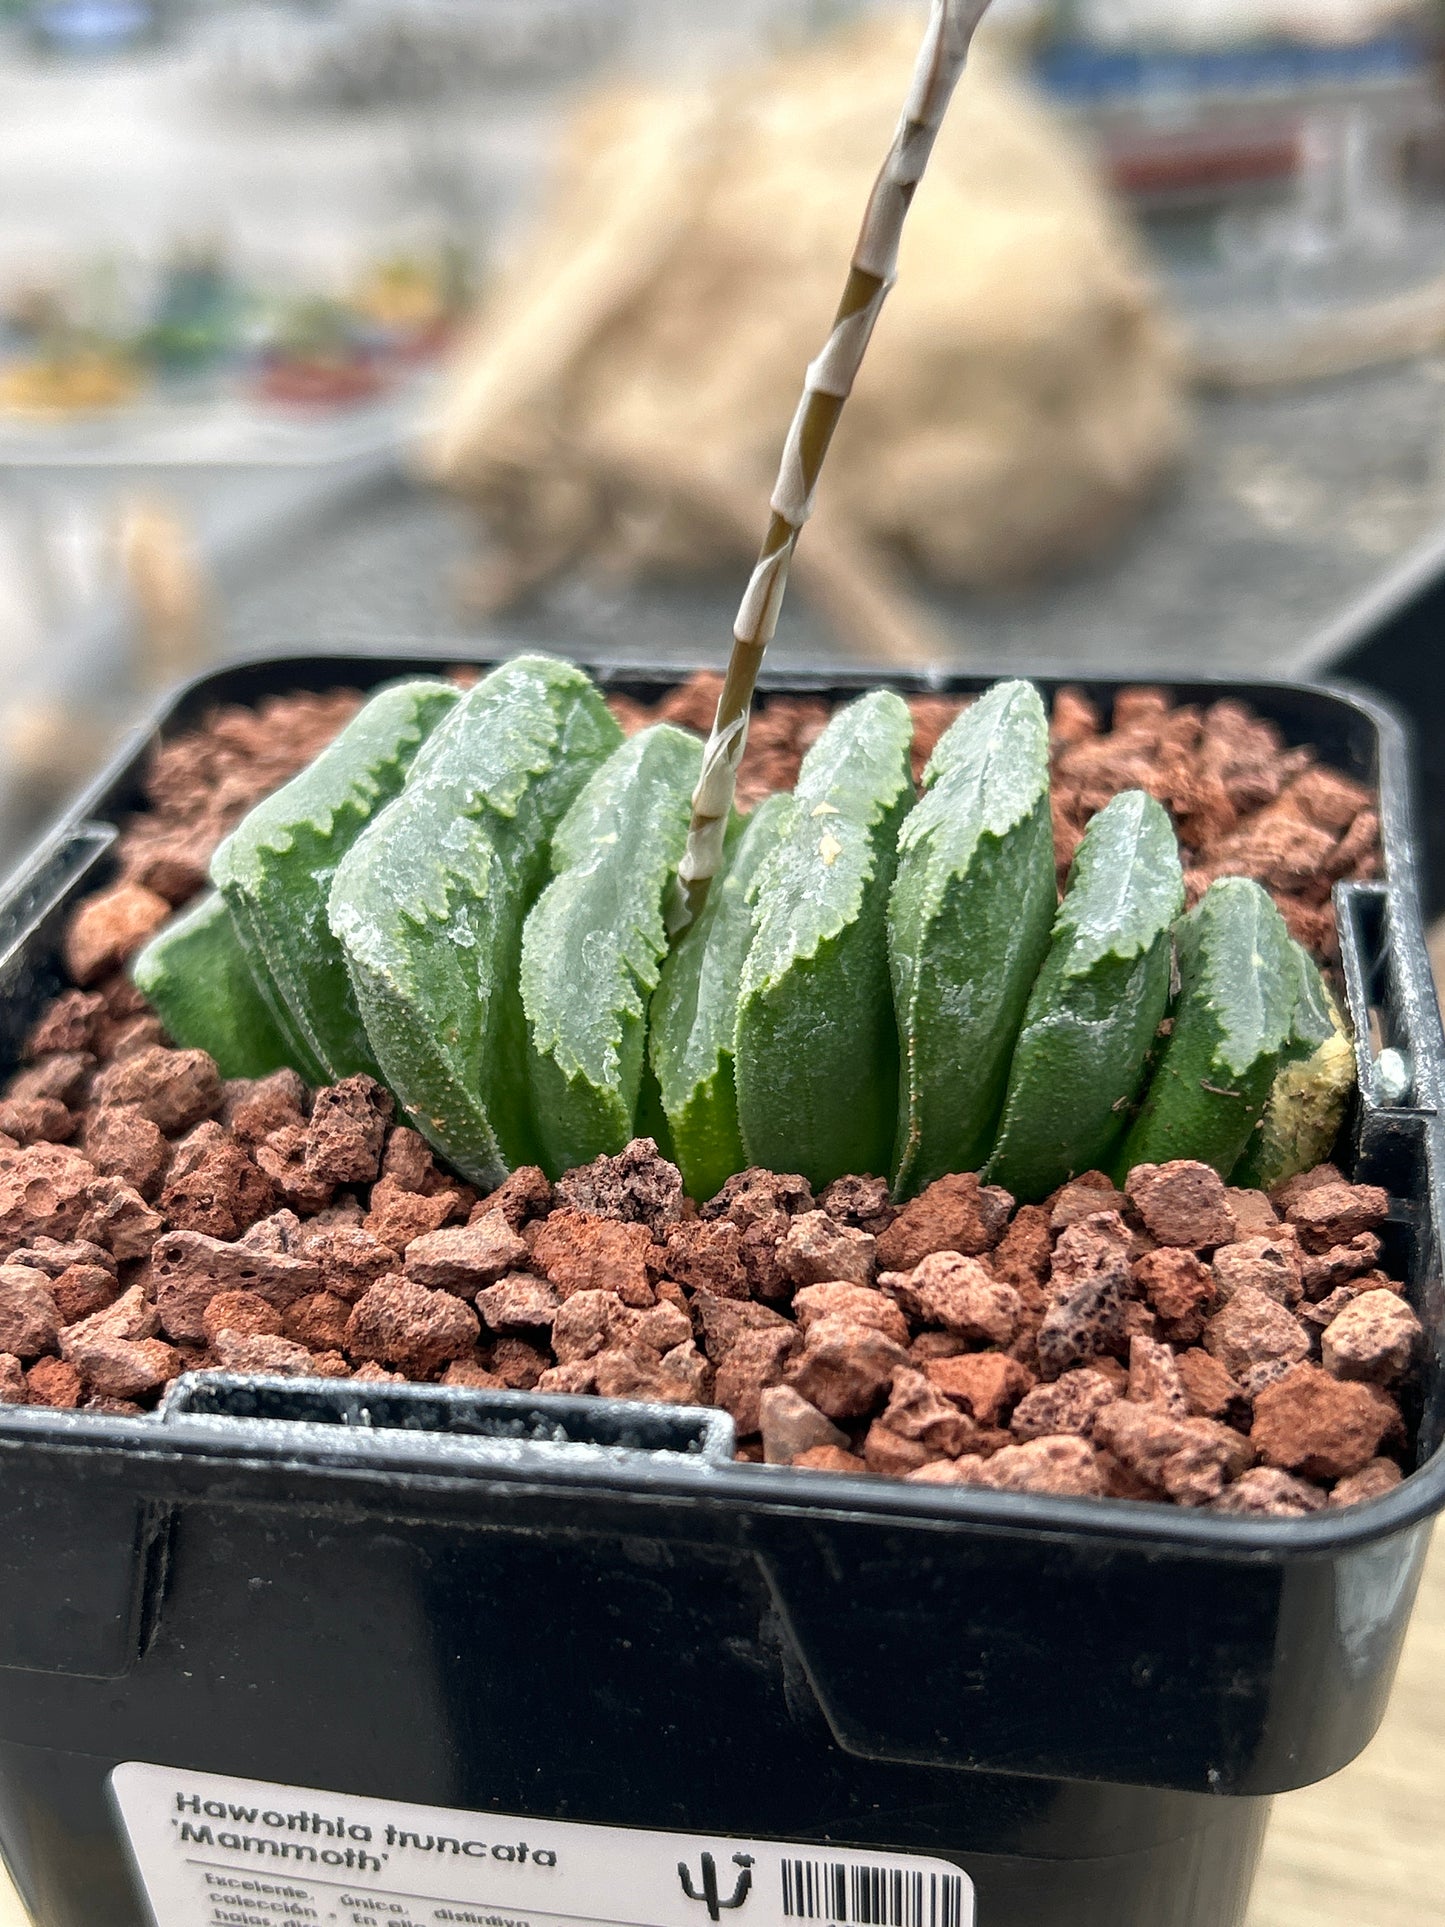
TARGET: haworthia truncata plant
(510,1014)
(968,927)
(1095,1006)
(593,946)
(429,905)
(694,1013)
(275,872)
(816,1053)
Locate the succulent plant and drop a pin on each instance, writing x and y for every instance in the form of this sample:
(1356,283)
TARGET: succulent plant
(466,895)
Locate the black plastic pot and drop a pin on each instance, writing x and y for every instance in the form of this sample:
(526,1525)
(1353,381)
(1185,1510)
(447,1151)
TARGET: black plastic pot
(571,1610)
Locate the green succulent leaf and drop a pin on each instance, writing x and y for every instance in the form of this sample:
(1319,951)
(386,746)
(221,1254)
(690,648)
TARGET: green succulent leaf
(815,1051)
(429,904)
(275,872)
(593,947)
(693,1020)
(968,928)
(1233,1026)
(195,974)
(1316,1014)
(1101,995)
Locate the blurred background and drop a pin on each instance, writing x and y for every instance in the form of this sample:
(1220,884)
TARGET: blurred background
(464,323)
(336,321)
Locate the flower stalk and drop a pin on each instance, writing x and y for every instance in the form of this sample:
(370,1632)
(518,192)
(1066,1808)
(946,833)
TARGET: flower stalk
(829,382)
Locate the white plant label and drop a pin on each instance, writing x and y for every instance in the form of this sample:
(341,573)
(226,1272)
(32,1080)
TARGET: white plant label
(219,1852)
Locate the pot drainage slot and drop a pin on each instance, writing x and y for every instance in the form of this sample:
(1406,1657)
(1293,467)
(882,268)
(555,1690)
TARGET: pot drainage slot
(31,924)
(456,1412)
(50,880)
(1383,1055)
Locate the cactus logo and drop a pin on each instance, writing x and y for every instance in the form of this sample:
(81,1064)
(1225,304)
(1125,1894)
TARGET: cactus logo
(716,1906)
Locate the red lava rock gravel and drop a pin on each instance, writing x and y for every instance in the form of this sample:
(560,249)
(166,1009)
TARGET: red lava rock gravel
(1178,1341)
(1105,1344)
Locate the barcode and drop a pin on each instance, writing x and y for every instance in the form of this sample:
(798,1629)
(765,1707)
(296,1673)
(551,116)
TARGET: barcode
(871,1896)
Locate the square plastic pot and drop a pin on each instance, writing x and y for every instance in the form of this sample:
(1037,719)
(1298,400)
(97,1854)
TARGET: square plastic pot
(586,1611)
